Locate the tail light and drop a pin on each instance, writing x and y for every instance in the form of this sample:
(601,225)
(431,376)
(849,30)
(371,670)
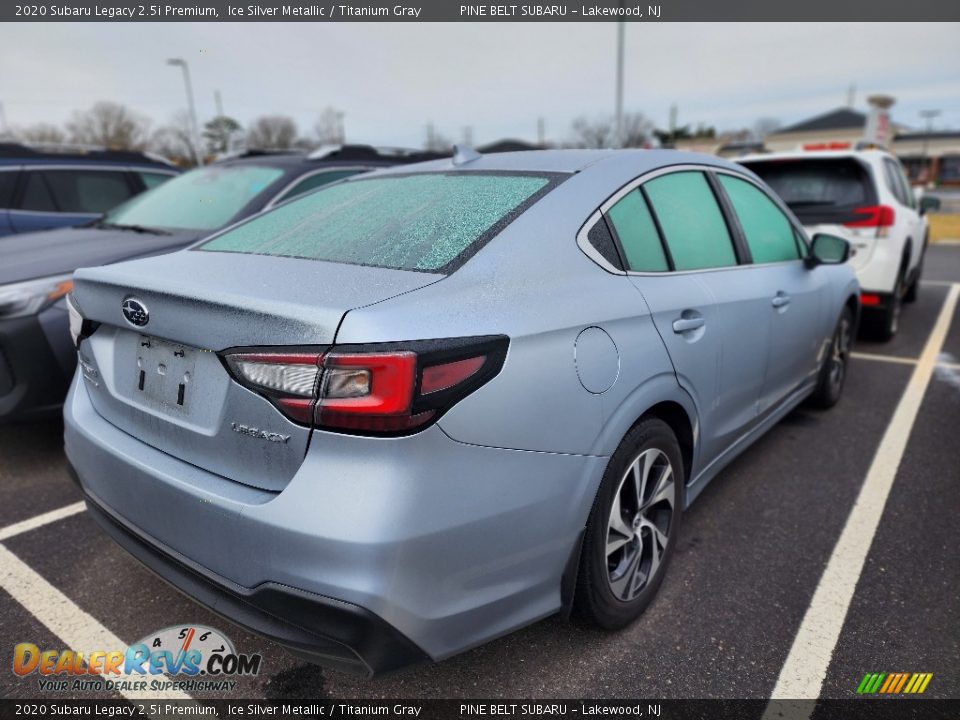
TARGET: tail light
(385,389)
(873,216)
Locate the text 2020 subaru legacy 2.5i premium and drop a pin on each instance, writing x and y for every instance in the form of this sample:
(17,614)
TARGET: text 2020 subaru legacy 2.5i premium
(418,409)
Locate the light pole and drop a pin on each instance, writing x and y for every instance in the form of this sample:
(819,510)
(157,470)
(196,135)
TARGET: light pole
(927,115)
(194,132)
(618,140)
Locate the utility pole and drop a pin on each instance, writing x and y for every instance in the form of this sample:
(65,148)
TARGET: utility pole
(468,135)
(851,94)
(541,132)
(618,139)
(194,131)
(4,128)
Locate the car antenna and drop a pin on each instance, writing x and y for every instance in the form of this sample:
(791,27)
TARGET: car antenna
(463,154)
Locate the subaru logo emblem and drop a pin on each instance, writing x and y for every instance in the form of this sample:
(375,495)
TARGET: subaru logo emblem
(135,312)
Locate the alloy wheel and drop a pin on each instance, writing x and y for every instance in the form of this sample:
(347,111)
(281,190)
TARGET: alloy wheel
(638,529)
(840,352)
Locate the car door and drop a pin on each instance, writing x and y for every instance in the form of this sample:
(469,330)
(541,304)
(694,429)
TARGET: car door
(708,318)
(793,294)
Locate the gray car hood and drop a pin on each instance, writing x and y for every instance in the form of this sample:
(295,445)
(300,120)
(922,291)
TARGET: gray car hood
(61,251)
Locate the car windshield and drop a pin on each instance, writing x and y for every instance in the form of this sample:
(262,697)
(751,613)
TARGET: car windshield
(414,222)
(203,199)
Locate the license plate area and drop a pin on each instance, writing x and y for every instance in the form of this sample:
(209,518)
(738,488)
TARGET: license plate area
(165,375)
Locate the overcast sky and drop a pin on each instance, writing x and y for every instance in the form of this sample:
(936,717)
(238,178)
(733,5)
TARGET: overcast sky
(390,79)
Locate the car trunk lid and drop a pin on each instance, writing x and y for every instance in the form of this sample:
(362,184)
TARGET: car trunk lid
(163,381)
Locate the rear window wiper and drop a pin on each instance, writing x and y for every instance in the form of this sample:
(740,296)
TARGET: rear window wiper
(132,228)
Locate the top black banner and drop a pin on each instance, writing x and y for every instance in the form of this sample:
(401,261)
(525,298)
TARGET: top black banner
(451,11)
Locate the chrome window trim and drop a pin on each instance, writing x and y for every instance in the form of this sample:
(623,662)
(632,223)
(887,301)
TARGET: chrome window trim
(583,241)
(275,200)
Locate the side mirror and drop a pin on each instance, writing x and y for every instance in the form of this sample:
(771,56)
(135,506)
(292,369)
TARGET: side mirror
(928,203)
(827,250)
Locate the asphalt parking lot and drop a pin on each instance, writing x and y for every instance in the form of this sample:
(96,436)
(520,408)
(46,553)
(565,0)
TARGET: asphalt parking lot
(749,564)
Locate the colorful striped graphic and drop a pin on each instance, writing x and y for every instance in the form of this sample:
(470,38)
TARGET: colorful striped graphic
(894,683)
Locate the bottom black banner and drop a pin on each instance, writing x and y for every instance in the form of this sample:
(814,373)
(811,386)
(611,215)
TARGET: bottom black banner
(853,709)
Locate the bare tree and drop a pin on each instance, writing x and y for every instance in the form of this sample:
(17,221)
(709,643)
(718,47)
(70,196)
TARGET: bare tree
(637,131)
(601,132)
(278,132)
(41,133)
(596,133)
(221,133)
(765,126)
(109,124)
(329,127)
(173,140)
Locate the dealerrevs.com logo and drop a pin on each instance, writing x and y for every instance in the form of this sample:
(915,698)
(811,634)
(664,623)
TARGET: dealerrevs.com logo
(206,657)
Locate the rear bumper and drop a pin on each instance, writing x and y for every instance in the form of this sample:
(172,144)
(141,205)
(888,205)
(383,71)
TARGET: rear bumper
(36,364)
(440,545)
(320,629)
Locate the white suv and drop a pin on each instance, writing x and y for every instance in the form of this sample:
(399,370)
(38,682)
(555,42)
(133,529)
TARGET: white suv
(862,195)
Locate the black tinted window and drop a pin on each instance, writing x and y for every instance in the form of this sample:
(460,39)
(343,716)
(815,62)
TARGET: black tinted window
(8,179)
(825,182)
(36,194)
(87,191)
(602,241)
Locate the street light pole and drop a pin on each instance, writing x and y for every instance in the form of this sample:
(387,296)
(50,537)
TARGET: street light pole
(618,140)
(194,128)
(927,115)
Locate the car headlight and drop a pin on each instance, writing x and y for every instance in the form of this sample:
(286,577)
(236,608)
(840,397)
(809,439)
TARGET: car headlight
(29,298)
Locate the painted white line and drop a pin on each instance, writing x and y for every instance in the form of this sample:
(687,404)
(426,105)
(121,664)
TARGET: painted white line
(806,666)
(40,520)
(79,630)
(945,283)
(947,242)
(883,358)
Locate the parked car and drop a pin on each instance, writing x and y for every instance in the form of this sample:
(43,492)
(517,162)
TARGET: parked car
(36,357)
(421,408)
(862,195)
(49,188)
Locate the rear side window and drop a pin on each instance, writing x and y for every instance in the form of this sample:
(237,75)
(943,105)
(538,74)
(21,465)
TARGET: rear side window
(424,221)
(767,230)
(638,235)
(74,191)
(312,182)
(8,180)
(692,223)
(37,195)
(87,191)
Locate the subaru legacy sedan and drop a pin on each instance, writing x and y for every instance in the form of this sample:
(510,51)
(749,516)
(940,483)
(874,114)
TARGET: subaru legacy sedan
(418,409)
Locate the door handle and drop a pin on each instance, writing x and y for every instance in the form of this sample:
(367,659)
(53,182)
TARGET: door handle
(683,325)
(781,299)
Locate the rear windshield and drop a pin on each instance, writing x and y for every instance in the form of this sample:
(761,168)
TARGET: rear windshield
(841,181)
(427,221)
(202,199)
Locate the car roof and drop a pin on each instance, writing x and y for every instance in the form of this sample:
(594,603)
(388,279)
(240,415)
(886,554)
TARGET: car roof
(815,155)
(570,161)
(12,153)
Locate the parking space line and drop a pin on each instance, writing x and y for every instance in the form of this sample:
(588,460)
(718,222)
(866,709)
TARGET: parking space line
(945,283)
(40,520)
(806,666)
(883,358)
(79,630)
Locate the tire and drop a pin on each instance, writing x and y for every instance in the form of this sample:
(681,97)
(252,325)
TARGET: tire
(833,372)
(614,588)
(914,290)
(886,323)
